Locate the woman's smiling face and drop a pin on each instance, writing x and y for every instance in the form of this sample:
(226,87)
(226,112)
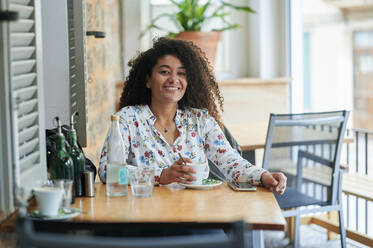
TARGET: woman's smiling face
(168,80)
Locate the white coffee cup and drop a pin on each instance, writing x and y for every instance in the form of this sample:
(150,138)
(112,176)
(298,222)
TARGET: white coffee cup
(202,171)
(48,199)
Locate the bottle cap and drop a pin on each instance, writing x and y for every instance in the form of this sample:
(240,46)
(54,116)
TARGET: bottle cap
(59,130)
(115,118)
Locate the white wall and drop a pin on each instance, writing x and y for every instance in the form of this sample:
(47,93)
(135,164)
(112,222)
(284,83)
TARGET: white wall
(55,61)
(133,12)
(296,57)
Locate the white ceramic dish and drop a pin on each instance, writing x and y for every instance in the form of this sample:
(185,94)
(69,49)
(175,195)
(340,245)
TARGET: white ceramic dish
(206,184)
(62,215)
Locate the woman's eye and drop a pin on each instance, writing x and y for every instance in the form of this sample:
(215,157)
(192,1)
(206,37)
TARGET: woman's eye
(182,74)
(164,72)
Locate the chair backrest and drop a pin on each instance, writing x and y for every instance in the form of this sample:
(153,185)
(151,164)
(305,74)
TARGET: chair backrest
(41,234)
(313,141)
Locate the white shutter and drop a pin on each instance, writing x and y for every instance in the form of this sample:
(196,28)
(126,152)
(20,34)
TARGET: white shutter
(24,95)
(6,189)
(77,64)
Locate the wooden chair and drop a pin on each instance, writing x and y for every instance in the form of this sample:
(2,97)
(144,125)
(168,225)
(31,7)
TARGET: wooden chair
(306,147)
(41,234)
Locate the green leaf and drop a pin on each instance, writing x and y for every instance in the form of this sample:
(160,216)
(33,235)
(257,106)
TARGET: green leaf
(171,35)
(202,9)
(236,7)
(231,26)
(191,15)
(222,15)
(179,5)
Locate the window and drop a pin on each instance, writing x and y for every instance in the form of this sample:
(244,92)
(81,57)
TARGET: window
(22,99)
(363,79)
(22,117)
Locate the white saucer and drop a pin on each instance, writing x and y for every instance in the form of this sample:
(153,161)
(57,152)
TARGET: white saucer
(206,184)
(62,215)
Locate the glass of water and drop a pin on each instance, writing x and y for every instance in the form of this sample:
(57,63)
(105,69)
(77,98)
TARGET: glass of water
(67,186)
(142,181)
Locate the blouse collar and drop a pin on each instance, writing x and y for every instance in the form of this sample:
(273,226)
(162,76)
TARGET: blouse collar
(151,117)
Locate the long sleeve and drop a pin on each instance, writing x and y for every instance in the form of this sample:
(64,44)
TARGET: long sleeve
(227,159)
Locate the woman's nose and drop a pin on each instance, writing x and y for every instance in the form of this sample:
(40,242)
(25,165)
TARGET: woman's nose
(174,77)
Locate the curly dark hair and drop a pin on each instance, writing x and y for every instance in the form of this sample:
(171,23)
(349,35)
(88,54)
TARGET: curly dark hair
(202,91)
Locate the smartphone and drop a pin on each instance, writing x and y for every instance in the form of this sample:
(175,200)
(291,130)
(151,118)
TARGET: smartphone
(242,186)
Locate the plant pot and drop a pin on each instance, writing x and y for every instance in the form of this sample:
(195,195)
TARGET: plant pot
(207,41)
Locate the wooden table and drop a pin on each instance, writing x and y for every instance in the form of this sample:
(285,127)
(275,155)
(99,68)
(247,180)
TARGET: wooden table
(176,204)
(250,136)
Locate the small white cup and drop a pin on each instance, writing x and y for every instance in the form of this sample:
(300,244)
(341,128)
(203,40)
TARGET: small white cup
(48,199)
(202,172)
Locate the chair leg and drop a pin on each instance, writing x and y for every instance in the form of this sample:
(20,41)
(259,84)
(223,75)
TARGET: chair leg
(254,239)
(290,229)
(342,229)
(297,231)
(333,217)
(258,241)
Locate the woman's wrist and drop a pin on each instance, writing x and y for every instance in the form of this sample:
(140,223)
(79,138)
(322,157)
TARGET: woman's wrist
(261,177)
(163,177)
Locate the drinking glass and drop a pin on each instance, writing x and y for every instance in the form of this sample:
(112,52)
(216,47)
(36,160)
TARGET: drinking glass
(142,181)
(66,185)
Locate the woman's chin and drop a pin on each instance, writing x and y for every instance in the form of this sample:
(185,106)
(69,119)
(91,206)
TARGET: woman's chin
(171,99)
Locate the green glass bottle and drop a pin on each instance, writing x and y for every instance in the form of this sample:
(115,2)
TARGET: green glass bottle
(61,164)
(77,156)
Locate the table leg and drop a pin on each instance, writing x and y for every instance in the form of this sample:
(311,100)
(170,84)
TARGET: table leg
(254,239)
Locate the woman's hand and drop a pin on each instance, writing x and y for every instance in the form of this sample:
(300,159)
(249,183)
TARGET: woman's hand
(275,182)
(178,172)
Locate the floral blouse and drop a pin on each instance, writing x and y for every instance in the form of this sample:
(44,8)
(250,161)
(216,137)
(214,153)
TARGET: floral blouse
(200,138)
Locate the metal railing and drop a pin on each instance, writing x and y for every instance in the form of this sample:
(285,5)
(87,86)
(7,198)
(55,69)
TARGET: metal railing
(359,160)
(358,156)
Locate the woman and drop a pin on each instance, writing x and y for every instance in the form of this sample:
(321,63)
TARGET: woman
(169,106)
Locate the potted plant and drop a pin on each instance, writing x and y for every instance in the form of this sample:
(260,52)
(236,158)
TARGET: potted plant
(191,18)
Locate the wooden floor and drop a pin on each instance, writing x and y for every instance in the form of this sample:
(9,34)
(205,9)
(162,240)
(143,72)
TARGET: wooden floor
(312,237)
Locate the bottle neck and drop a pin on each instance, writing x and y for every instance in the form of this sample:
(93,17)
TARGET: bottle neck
(115,127)
(60,143)
(115,151)
(72,138)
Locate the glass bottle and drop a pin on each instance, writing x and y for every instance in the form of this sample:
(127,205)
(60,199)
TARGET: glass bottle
(116,171)
(61,164)
(77,156)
